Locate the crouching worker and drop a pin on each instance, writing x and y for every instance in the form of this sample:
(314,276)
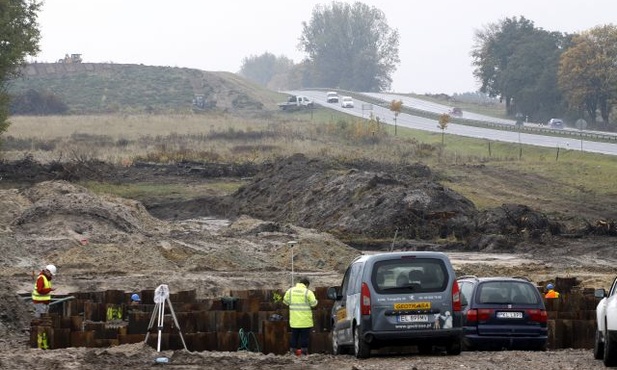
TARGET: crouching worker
(41,294)
(301,300)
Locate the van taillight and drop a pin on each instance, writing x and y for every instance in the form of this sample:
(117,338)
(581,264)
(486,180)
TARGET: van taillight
(537,315)
(456,297)
(365,300)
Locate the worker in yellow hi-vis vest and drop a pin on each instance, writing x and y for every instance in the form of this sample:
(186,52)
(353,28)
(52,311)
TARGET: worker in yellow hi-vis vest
(41,293)
(301,301)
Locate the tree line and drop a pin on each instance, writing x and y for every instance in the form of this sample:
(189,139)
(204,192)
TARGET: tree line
(538,74)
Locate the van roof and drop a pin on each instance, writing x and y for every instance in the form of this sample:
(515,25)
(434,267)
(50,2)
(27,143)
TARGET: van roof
(391,255)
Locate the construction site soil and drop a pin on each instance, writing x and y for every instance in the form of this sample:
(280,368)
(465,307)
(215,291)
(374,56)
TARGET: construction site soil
(219,243)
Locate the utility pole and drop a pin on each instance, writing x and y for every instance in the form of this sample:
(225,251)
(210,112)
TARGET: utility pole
(291,245)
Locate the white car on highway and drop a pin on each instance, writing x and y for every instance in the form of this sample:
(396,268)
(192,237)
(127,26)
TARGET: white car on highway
(347,102)
(332,97)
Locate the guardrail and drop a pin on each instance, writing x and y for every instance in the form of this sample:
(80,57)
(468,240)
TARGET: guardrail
(546,131)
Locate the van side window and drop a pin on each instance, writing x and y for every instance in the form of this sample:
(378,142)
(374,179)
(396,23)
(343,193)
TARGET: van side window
(352,281)
(355,278)
(345,283)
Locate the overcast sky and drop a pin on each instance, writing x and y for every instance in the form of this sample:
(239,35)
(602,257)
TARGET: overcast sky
(436,36)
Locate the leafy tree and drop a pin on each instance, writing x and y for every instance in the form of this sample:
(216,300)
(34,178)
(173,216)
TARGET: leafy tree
(518,62)
(19,37)
(532,76)
(444,119)
(267,70)
(396,106)
(588,71)
(350,46)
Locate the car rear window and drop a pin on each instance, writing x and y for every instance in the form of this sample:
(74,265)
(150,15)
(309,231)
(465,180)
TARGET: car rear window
(406,275)
(502,292)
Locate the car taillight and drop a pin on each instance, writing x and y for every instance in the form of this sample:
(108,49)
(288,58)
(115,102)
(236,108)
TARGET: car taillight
(456,297)
(538,316)
(472,316)
(484,314)
(365,300)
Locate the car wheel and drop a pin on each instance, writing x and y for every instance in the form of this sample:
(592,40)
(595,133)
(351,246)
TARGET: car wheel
(361,348)
(598,346)
(454,348)
(467,346)
(610,355)
(542,347)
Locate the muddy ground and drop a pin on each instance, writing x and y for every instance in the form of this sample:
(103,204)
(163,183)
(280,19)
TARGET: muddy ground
(104,242)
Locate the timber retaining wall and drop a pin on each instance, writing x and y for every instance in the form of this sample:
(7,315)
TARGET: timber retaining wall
(253,320)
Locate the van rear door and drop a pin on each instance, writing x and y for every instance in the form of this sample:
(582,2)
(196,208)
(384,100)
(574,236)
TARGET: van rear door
(411,293)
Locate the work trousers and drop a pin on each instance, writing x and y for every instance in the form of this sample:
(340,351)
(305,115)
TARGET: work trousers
(299,339)
(40,308)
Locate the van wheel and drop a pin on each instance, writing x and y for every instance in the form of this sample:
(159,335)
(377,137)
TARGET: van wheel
(361,348)
(598,346)
(425,349)
(610,352)
(454,347)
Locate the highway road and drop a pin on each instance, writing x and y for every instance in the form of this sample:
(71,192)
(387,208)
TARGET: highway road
(365,108)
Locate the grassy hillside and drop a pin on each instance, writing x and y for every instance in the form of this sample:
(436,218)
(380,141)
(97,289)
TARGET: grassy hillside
(92,88)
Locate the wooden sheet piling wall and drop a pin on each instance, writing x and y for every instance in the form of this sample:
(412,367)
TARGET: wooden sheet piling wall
(249,318)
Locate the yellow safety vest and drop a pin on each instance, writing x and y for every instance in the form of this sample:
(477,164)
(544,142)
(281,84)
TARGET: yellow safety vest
(300,300)
(35,293)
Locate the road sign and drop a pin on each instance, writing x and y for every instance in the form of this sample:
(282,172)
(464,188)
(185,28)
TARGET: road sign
(581,124)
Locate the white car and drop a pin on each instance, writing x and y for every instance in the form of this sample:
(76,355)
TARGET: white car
(605,344)
(332,97)
(347,102)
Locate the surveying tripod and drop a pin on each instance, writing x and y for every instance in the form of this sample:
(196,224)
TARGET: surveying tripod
(161,295)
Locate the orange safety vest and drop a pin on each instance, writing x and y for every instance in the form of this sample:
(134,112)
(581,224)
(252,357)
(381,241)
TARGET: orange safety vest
(551,294)
(36,296)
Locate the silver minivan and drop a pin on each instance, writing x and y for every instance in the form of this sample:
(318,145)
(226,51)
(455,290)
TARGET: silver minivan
(397,299)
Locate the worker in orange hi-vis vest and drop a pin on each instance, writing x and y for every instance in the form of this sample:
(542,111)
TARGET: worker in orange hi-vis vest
(551,293)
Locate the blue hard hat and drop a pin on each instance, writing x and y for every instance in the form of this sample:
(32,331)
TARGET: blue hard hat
(550,286)
(135,298)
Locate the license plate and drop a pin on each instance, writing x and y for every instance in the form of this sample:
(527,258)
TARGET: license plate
(412,318)
(509,315)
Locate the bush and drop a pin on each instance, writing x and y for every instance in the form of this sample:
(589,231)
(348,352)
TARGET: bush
(33,102)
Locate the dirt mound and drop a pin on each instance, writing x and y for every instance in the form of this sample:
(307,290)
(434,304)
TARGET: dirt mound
(354,202)
(364,203)
(87,234)
(60,205)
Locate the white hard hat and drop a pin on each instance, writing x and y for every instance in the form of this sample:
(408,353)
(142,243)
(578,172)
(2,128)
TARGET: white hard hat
(51,269)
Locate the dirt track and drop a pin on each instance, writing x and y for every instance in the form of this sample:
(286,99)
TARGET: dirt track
(137,356)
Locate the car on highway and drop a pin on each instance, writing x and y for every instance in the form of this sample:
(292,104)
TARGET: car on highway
(605,344)
(502,313)
(397,299)
(332,97)
(555,123)
(347,102)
